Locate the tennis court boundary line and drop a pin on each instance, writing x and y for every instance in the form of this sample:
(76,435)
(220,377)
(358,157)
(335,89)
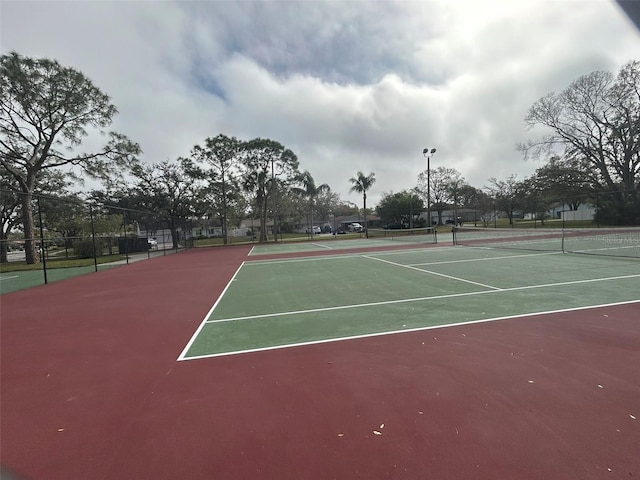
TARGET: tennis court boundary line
(408,330)
(204,321)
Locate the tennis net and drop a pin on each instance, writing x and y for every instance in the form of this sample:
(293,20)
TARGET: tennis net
(621,242)
(411,235)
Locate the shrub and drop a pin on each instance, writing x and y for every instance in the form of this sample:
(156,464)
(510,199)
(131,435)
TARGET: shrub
(83,247)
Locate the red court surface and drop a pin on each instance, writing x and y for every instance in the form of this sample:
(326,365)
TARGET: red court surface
(91,389)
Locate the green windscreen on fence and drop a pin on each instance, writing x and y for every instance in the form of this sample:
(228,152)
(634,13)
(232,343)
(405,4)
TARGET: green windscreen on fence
(622,242)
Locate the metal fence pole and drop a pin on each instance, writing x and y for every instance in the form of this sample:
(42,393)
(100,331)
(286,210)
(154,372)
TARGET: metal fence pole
(42,247)
(93,237)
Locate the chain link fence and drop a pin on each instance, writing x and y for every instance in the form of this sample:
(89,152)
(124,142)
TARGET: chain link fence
(589,210)
(67,232)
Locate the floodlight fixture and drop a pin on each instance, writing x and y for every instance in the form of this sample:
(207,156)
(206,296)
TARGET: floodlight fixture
(428,153)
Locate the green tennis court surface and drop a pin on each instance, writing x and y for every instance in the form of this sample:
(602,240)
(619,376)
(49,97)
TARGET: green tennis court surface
(19,280)
(278,303)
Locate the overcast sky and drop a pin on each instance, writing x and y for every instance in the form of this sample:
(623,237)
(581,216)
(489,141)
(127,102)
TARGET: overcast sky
(347,86)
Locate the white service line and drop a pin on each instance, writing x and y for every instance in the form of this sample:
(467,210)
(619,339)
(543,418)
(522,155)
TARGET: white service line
(323,246)
(467,260)
(433,273)
(420,299)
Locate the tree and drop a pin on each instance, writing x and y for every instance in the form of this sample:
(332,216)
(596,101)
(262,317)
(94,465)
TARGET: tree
(596,119)
(442,192)
(220,154)
(265,162)
(65,215)
(168,189)
(45,111)
(310,191)
(327,204)
(399,209)
(50,182)
(564,179)
(361,184)
(456,188)
(482,204)
(507,194)
(9,213)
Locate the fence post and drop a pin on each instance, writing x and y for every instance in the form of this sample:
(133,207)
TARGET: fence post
(42,248)
(93,237)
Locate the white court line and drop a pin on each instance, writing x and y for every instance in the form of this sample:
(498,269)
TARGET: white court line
(408,330)
(251,251)
(419,299)
(204,322)
(396,252)
(320,258)
(8,278)
(433,273)
(506,257)
(323,246)
(334,256)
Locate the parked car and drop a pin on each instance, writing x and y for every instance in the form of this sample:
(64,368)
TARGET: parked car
(452,221)
(355,227)
(315,228)
(152,242)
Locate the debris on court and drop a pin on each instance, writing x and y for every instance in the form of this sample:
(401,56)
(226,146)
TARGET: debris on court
(378,432)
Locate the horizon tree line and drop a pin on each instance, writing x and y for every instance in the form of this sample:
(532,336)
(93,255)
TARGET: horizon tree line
(592,147)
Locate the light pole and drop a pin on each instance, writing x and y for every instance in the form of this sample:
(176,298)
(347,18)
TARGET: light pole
(428,154)
(275,194)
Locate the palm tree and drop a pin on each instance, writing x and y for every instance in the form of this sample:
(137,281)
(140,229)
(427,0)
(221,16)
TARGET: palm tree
(361,184)
(310,190)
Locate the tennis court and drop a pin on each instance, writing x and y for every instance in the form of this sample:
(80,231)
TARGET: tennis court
(380,358)
(289,302)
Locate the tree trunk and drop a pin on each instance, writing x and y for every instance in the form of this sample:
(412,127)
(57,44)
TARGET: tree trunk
(4,247)
(262,209)
(30,248)
(225,238)
(364,201)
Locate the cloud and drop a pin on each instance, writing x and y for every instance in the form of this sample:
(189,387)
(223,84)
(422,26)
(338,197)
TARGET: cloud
(347,86)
